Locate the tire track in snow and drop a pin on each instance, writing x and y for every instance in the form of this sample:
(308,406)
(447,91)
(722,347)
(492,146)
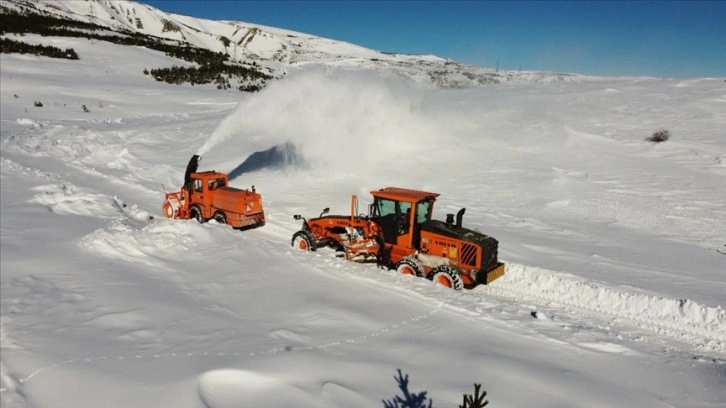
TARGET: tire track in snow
(12,383)
(683,320)
(700,326)
(678,319)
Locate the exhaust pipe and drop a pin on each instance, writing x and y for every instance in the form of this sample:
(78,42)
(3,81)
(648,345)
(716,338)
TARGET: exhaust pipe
(459,216)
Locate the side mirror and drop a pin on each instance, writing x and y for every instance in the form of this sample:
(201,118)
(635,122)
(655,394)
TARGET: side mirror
(297,217)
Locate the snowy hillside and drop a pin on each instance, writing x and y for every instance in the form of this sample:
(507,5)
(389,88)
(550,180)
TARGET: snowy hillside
(280,50)
(616,282)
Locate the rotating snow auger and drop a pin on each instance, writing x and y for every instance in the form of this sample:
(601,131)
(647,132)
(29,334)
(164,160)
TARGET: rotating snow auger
(398,233)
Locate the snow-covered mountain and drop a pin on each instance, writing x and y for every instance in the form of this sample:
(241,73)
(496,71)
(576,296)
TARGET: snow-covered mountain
(276,48)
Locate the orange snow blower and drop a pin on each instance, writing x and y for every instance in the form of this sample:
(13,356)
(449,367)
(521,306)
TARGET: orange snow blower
(207,195)
(398,233)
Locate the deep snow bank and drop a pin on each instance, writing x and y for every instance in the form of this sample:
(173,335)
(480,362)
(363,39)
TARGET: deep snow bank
(684,320)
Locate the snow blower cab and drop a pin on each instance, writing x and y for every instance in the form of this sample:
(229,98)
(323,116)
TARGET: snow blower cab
(207,195)
(399,233)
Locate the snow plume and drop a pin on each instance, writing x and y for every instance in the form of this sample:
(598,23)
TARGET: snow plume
(278,156)
(333,118)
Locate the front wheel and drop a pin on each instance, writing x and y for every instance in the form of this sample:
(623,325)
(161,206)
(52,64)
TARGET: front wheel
(409,266)
(196,213)
(447,276)
(303,240)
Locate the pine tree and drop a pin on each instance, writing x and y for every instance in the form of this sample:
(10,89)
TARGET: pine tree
(475,401)
(409,400)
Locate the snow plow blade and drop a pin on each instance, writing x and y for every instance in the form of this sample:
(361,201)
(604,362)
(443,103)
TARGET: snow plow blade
(487,277)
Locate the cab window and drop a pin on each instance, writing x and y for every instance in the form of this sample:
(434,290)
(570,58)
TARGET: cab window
(386,207)
(423,212)
(198,185)
(216,183)
(404,221)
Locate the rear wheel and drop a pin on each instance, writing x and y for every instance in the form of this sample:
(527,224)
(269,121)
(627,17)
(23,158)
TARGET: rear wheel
(303,240)
(220,217)
(447,276)
(409,266)
(196,213)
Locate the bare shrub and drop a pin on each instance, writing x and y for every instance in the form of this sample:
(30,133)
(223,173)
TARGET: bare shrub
(660,135)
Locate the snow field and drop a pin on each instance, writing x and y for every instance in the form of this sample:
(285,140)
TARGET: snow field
(614,293)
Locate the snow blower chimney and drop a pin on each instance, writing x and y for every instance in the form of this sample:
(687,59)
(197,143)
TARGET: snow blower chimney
(191,168)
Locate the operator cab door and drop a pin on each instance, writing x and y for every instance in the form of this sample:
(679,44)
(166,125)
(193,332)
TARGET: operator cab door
(423,213)
(197,194)
(395,219)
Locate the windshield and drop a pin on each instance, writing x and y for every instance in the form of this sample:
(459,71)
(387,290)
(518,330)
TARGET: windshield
(216,183)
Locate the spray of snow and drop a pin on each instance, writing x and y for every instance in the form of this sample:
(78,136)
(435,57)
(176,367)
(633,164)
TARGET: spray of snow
(330,117)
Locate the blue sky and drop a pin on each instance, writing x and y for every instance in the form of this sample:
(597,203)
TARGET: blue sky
(655,38)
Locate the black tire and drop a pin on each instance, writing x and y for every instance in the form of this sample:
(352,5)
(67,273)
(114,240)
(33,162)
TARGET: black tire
(196,214)
(410,266)
(447,276)
(220,217)
(303,240)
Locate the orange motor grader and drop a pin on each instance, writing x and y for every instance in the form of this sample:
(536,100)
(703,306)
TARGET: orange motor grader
(207,195)
(398,233)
